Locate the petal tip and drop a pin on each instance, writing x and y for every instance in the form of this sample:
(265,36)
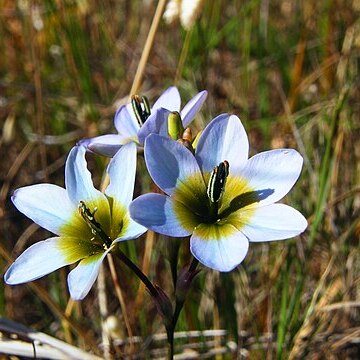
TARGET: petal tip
(8,277)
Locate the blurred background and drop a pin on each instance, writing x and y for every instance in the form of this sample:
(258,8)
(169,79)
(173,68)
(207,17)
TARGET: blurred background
(290,71)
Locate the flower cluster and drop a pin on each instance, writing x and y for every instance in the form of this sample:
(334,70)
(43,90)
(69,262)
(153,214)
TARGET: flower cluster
(212,191)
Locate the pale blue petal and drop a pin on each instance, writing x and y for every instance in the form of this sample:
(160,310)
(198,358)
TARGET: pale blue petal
(105,145)
(156,123)
(78,178)
(38,260)
(192,108)
(275,222)
(223,139)
(133,231)
(126,123)
(82,278)
(169,162)
(221,254)
(273,172)
(155,212)
(47,205)
(121,171)
(169,99)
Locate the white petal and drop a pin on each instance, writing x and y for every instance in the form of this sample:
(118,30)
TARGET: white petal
(82,278)
(78,178)
(38,260)
(133,231)
(169,99)
(155,212)
(47,205)
(169,162)
(222,254)
(275,222)
(192,107)
(223,139)
(121,171)
(105,145)
(126,123)
(273,173)
(157,123)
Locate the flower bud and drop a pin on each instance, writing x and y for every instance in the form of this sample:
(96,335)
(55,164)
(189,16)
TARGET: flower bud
(175,127)
(183,283)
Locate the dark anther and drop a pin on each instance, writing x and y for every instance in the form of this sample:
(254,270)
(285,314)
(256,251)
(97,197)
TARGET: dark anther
(141,107)
(217,181)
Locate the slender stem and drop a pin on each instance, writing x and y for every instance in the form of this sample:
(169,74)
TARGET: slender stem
(171,345)
(180,304)
(138,273)
(193,265)
(183,56)
(121,300)
(178,307)
(149,242)
(102,300)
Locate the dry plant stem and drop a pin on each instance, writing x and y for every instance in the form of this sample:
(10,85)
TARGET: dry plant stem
(101,291)
(121,298)
(149,242)
(40,128)
(64,324)
(24,154)
(147,47)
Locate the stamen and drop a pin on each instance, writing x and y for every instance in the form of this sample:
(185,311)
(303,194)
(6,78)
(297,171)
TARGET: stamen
(141,107)
(94,226)
(217,181)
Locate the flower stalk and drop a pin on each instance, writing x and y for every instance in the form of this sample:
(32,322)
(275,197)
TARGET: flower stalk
(182,287)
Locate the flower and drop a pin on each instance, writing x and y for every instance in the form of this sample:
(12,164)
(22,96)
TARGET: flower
(219,196)
(87,222)
(137,125)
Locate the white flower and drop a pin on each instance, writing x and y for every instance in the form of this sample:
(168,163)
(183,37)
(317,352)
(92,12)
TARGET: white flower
(133,127)
(219,196)
(87,222)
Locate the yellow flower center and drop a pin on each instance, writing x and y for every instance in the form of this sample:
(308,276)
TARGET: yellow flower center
(195,211)
(93,227)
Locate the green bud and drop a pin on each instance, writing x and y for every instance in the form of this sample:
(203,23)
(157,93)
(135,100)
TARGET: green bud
(175,127)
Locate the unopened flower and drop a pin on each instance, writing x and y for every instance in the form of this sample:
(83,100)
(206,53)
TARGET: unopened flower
(136,120)
(219,196)
(87,222)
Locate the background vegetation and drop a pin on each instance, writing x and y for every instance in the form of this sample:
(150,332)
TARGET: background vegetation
(289,70)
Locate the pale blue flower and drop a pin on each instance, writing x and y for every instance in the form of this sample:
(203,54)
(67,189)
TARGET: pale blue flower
(87,222)
(130,128)
(243,206)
